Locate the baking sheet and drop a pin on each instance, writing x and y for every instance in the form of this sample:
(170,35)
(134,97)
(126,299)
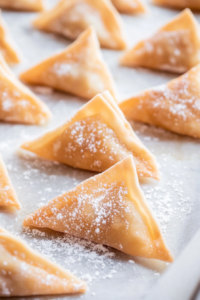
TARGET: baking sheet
(175,199)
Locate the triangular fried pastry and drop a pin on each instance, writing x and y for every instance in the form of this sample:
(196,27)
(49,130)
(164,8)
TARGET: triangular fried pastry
(192,4)
(109,209)
(71,17)
(97,137)
(130,6)
(173,106)
(7,47)
(17,103)
(24,272)
(23,5)
(173,48)
(7,194)
(79,69)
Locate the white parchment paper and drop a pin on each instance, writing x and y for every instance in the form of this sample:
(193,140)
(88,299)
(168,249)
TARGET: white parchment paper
(175,199)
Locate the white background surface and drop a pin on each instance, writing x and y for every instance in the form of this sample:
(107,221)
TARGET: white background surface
(175,199)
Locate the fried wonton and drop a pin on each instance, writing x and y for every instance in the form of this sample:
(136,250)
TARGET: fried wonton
(71,17)
(23,5)
(7,47)
(130,6)
(192,4)
(17,103)
(79,69)
(174,106)
(24,272)
(174,48)
(97,137)
(7,194)
(109,209)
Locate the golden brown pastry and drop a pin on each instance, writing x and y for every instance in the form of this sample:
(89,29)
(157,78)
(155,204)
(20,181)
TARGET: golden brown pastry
(130,6)
(174,106)
(71,17)
(97,137)
(23,5)
(192,4)
(7,47)
(24,272)
(79,69)
(7,194)
(174,48)
(109,209)
(17,103)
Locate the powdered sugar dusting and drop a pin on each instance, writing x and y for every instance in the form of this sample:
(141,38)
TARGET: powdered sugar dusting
(170,51)
(17,106)
(181,95)
(36,181)
(90,214)
(93,262)
(16,266)
(76,251)
(175,105)
(90,143)
(77,18)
